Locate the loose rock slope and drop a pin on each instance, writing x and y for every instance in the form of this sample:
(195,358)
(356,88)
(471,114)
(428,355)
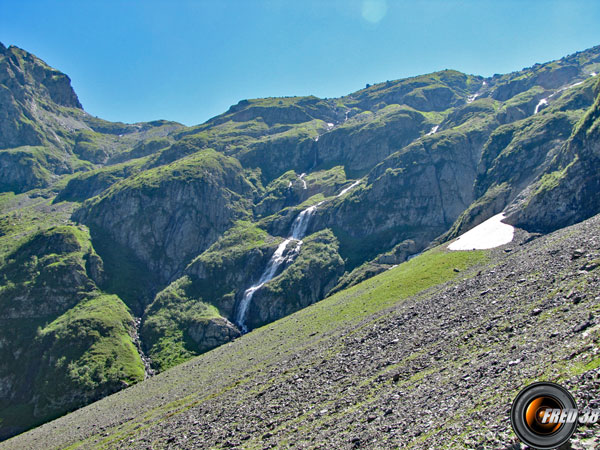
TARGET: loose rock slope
(436,367)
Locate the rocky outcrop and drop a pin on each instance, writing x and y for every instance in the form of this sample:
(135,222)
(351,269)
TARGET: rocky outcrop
(46,275)
(433,92)
(63,343)
(210,333)
(385,261)
(567,192)
(90,184)
(170,214)
(179,324)
(27,84)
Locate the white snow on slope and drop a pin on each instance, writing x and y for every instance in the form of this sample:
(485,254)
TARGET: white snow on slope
(489,234)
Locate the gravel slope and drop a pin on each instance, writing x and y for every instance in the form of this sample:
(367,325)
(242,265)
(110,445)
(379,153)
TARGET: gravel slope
(438,370)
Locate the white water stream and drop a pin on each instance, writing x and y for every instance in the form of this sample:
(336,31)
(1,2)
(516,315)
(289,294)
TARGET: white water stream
(433,130)
(353,185)
(301,177)
(544,101)
(297,232)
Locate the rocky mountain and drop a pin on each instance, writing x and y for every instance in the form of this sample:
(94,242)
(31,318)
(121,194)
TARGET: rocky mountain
(45,133)
(429,354)
(129,249)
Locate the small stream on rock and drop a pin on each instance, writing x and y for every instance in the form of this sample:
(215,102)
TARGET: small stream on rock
(297,232)
(544,101)
(148,370)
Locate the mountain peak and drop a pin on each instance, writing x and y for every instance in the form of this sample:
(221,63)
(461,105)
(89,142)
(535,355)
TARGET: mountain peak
(26,72)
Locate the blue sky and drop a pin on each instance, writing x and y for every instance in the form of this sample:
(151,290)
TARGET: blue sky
(187,61)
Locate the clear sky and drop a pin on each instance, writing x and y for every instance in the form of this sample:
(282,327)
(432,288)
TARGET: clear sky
(189,60)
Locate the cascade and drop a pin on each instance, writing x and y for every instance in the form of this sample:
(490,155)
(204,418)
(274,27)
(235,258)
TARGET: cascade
(297,232)
(542,102)
(433,130)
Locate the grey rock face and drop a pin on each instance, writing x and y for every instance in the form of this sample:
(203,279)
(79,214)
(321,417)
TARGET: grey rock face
(25,83)
(567,192)
(209,334)
(168,220)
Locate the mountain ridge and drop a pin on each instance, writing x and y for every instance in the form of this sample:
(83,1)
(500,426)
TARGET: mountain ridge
(176,223)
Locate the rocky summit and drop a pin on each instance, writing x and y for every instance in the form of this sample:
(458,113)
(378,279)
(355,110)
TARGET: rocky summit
(280,276)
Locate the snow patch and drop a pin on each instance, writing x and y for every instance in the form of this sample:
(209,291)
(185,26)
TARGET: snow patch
(489,234)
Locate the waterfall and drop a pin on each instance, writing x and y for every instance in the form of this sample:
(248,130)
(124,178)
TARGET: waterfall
(433,130)
(301,222)
(472,98)
(301,177)
(298,230)
(349,187)
(276,260)
(542,102)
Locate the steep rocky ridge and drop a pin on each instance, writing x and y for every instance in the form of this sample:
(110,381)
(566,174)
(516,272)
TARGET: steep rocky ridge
(44,132)
(568,190)
(194,200)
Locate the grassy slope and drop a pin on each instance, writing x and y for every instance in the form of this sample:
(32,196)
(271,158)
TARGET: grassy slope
(60,338)
(472,342)
(229,366)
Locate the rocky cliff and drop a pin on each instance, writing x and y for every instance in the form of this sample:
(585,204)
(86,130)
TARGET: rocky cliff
(172,225)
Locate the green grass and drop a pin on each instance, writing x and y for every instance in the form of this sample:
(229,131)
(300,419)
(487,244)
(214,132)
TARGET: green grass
(73,342)
(92,347)
(552,180)
(429,269)
(203,165)
(167,321)
(82,186)
(235,243)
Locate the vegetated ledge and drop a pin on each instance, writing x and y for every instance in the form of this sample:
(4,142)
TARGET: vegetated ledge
(429,354)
